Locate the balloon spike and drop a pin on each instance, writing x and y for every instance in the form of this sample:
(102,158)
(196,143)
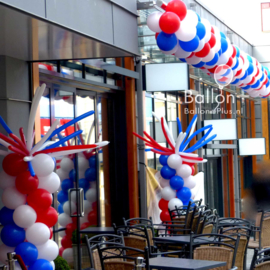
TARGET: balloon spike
(5,126)
(30,167)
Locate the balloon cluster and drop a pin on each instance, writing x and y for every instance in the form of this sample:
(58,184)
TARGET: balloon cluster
(87,175)
(178,163)
(182,33)
(28,182)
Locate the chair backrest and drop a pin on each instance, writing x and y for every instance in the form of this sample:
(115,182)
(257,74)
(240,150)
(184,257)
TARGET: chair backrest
(215,240)
(93,242)
(265,235)
(116,256)
(231,222)
(198,202)
(137,221)
(210,224)
(261,259)
(210,253)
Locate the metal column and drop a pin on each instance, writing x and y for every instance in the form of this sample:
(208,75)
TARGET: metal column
(142,174)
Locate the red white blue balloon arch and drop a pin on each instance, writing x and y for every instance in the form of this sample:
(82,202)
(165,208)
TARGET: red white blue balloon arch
(192,39)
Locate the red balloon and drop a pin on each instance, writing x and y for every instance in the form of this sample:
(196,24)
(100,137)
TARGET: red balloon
(230,62)
(238,72)
(204,52)
(165,216)
(94,206)
(70,228)
(188,163)
(92,218)
(14,164)
(212,70)
(178,7)
(191,55)
(51,233)
(85,225)
(66,242)
(41,199)
(169,22)
(74,219)
(48,217)
(212,30)
(252,81)
(25,183)
(212,41)
(163,204)
(234,52)
(193,170)
(156,35)
(61,251)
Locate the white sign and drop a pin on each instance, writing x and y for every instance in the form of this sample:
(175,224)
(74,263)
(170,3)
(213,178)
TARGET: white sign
(252,147)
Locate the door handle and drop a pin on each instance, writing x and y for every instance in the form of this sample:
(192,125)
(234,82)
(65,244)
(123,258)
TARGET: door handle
(79,192)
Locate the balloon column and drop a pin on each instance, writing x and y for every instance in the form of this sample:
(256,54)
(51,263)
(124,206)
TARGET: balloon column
(28,182)
(192,39)
(178,163)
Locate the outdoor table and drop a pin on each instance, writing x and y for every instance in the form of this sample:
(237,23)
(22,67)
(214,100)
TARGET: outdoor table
(98,230)
(181,239)
(167,263)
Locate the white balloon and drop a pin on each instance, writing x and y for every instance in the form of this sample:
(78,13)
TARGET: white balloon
(6,180)
(87,207)
(93,184)
(64,219)
(194,60)
(254,93)
(37,234)
(174,202)
(62,174)
(209,57)
(168,193)
(68,255)
(53,264)
(223,59)
(184,171)
(66,164)
(83,164)
(164,182)
(24,216)
(174,161)
(186,32)
(91,195)
(208,27)
(43,164)
(191,19)
(4,250)
(217,46)
(190,182)
(201,45)
(62,233)
(229,50)
(180,53)
(12,198)
(66,208)
(264,91)
(74,197)
(48,251)
(51,182)
(174,50)
(153,21)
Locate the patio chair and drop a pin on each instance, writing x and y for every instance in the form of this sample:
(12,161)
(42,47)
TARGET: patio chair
(261,260)
(198,202)
(261,233)
(241,254)
(210,224)
(215,247)
(231,222)
(115,257)
(101,238)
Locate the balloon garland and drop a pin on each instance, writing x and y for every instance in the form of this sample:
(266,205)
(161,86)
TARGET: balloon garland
(192,39)
(28,182)
(178,163)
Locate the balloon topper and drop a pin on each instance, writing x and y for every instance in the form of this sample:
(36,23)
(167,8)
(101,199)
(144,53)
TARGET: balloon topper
(184,34)
(177,174)
(223,76)
(28,182)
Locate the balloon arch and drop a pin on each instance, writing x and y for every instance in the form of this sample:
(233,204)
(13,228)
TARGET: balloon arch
(192,39)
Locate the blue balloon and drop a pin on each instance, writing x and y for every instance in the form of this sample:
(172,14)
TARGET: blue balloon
(176,182)
(166,42)
(183,60)
(201,31)
(6,216)
(246,74)
(83,183)
(222,35)
(91,174)
(213,61)
(250,69)
(163,160)
(224,45)
(12,235)
(92,162)
(67,184)
(262,78)
(72,175)
(236,65)
(220,52)
(190,46)
(199,65)
(246,87)
(41,264)
(199,18)
(167,172)
(256,85)
(62,196)
(267,84)
(235,81)
(192,204)
(60,209)
(249,58)
(185,204)
(28,252)
(237,52)
(183,194)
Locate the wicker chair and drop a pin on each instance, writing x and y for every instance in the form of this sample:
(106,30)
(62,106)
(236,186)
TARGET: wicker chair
(101,238)
(214,247)
(244,233)
(261,233)
(261,260)
(121,258)
(232,222)
(210,224)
